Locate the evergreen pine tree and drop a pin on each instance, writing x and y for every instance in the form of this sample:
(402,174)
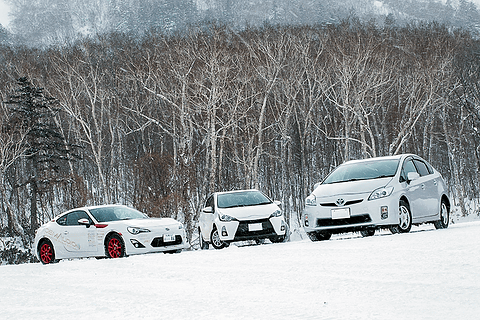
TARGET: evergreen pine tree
(46,149)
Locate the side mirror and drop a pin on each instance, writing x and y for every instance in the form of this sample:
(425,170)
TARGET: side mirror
(412,176)
(278,203)
(84,222)
(208,210)
(316,185)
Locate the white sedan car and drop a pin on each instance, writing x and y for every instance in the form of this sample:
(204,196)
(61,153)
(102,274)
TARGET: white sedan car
(110,231)
(240,215)
(386,192)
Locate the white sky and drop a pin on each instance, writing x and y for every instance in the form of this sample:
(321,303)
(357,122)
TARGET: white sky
(4,9)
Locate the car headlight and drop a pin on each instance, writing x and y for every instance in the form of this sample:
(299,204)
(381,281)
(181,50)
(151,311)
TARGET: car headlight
(381,193)
(135,230)
(277,213)
(226,218)
(311,200)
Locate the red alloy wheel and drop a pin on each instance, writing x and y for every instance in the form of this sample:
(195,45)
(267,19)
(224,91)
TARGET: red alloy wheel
(46,253)
(114,247)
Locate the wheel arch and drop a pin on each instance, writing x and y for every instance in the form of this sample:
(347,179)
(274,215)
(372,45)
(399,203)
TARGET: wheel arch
(119,234)
(42,240)
(109,234)
(445,199)
(404,198)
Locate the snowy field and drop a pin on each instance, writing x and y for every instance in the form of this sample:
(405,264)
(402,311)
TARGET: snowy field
(426,274)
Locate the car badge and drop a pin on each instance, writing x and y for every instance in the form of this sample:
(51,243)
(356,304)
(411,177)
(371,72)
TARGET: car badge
(167,229)
(340,202)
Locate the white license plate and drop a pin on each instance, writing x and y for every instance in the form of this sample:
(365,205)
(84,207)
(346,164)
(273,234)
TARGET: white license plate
(255,227)
(168,237)
(341,213)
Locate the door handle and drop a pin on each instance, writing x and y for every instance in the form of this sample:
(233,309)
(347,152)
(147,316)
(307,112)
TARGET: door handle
(435,182)
(65,232)
(423,186)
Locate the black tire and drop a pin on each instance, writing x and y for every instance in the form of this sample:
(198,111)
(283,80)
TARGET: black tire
(444,217)
(172,251)
(203,244)
(114,246)
(215,240)
(260,241)
(405,218)
(278,239)
(46,252)
(368,232)
(319,236)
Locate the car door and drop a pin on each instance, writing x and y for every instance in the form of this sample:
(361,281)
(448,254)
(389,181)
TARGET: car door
(414,189)
(430,202)
(78,238)
(207,216)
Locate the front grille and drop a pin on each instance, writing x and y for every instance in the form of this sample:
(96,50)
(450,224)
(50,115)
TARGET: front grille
(348,203)
(158,242)
(243,232)
(364,218)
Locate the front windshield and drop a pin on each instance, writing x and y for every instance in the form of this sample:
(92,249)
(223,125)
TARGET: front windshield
(241,199)
(115,213)
(363,171)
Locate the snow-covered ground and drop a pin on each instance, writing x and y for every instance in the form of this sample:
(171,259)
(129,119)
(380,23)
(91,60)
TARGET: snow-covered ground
(426,274)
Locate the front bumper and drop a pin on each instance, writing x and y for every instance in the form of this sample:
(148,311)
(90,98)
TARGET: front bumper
(251,229)
(362,214)
(149,243)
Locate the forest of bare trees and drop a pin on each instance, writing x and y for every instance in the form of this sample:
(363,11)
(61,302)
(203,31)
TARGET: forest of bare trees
(161,121)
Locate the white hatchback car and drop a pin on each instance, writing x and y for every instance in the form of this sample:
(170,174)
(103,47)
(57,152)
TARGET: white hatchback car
(385,192)
(110,231)
(240,215)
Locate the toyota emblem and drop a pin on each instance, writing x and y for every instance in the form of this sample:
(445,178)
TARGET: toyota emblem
(340,202)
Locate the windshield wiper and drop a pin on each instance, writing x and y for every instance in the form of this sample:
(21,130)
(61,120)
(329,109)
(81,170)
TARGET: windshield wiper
(384,176)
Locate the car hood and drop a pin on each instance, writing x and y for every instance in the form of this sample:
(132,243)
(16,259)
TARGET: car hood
(148,223)
(251,212)
(350,188)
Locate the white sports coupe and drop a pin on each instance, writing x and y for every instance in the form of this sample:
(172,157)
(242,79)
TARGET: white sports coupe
(240,215)
(110,231)
(385,192)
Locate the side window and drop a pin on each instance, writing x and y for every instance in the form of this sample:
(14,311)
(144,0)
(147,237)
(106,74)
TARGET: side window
(408,166)
(62,220)
(421,167)
(73,217)
(430,168)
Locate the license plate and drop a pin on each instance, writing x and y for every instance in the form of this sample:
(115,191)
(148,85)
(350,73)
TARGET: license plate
(168,237)
(255,227)
(341,213)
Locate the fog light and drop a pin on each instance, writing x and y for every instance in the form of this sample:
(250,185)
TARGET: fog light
(224,232)
(306,221)
(136,244)
(282,227)
(384,211)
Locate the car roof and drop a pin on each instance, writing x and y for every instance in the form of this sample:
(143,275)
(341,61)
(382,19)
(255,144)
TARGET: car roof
(395,157)
(87,208)
(235,191)
(99,206)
